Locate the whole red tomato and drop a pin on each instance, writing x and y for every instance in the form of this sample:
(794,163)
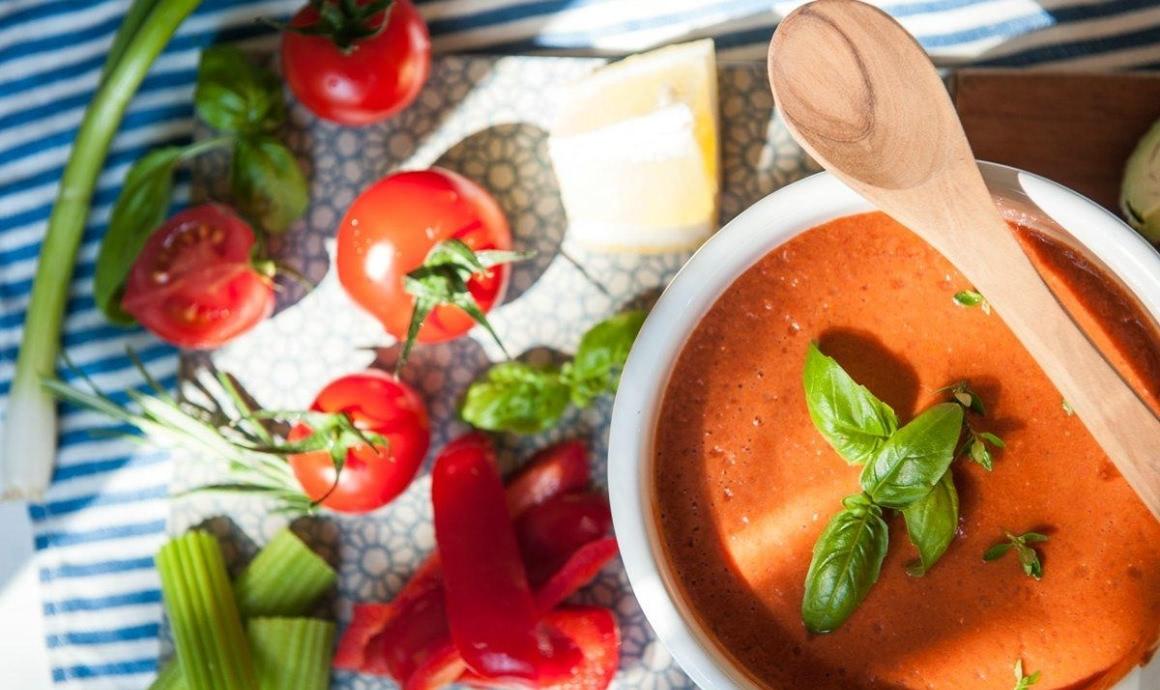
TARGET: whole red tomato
(390,229)
(371,477)
(357,70)
(194,283)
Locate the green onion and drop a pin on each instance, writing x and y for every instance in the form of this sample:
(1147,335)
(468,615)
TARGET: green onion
(292,653)
(211,646)
(284,579)
(29,444)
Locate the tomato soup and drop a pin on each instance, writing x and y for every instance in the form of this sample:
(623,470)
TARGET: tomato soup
(744,484)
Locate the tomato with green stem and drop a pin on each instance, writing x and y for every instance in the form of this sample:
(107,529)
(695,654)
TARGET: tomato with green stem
(195,283)
(369,476)
(355,63)
(426,253)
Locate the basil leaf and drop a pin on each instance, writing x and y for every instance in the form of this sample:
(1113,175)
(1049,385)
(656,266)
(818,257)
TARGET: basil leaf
(267,183)
(235,95)
(595,370)
(968,298)
(846,563)
(997,551)
(849,416)
(980,454)
(139,210)
(931,522)
(914,458)
(516,397)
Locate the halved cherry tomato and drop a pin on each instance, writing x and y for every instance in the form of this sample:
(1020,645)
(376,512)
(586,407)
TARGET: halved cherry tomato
(371,477)
(355,80)
(194,283)
(389,230)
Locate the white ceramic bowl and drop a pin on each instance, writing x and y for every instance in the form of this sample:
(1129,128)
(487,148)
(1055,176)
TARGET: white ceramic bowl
(765,225)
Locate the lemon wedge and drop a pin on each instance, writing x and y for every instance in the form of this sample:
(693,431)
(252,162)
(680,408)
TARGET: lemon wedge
(634,146)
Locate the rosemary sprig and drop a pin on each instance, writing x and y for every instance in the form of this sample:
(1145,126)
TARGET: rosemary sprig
(223,426)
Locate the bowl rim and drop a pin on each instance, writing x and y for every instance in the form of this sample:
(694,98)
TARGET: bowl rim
(768,223)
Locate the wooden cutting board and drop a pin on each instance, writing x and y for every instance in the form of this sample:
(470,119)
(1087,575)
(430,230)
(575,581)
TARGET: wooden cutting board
(1075,128)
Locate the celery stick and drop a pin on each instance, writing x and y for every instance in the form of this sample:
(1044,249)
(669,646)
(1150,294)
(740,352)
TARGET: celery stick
(29,443)
(211,646)
(292,653)
(284,579)
(169,677)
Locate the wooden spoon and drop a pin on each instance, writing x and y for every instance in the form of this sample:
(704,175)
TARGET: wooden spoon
(861,96)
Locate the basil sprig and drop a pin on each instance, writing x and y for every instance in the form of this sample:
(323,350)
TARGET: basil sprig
(524,399)
(847,414)
(1021,544)
(847,560)
(905,468)
(244,104)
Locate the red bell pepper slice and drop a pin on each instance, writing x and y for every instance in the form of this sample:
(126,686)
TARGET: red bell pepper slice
(380,641)
(490,608)
(577,571)
(366,622)
(552,531)
(555,470)
(441,668)
(594,631)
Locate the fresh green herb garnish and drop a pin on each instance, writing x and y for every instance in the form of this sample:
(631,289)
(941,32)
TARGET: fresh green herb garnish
(1023,682)
(971,298)
(905,468)
(521,398)
(931,523)
(1067,408)
(975,446)
(846,563)
(243,102)
(442,280)
(849,416)
(1028,556)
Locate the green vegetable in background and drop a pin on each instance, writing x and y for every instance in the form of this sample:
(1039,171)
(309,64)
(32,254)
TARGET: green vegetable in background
(847,560)
(513,396)
(848,416)
(234,95)
(595,370)
(267,184)
(29,443)
(931,522)
(521,398)
(244,103)
(1140,191)
(913,460)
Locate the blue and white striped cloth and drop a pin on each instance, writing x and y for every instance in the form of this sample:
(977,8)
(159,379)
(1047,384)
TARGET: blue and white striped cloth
(104,517)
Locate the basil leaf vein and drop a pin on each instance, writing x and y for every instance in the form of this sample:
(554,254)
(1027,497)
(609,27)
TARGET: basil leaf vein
(851,419)
(931,522)
(846,563)
(913,460)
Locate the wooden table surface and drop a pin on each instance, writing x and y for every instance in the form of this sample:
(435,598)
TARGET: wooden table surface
(1074,128)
